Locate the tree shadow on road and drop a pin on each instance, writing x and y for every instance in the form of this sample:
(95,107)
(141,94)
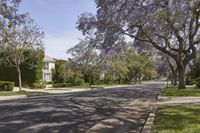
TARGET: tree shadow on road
(119,109)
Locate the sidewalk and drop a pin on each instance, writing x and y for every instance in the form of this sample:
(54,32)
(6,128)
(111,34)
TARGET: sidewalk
(52,90)
(4,98)
(177,100)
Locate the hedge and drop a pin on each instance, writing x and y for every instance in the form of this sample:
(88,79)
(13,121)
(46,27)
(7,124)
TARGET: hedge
(60,85)
(190,81)
(31,70)
(6,86)
(39,85)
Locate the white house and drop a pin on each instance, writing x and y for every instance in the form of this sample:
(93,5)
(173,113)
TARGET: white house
(49,64)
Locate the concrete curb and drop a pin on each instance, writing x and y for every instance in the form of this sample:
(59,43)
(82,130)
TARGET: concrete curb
(149,122)
(17,97)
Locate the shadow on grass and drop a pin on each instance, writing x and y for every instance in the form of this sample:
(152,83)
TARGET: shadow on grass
(77,112)
(177,119)
(174,91)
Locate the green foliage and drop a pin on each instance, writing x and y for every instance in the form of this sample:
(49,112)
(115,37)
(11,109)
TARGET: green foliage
(59,73)
(117,68)
(189,80)
(6,86)
(31,69)
(64,73)
(95,78)
(195,69)
(108,79)
(149,71)
(194,75)
(39,85)
(76,79)
(128,66)
(60,85)
(121,68)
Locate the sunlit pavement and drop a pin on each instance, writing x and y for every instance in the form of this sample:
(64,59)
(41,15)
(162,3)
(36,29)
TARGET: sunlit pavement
(114,110)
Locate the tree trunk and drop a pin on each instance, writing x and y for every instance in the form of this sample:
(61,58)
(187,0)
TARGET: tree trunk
(171,78)
(174,77)
(120,80)
(167,83)
(129,78)
(173,71)
(19,78)
(139,78)
(90,81)
(181,76)
(135,79)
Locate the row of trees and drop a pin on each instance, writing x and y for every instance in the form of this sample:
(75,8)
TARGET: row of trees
(18,33)
(170,26)
(89,65)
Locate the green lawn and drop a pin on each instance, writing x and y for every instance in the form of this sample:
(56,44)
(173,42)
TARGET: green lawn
(174,91)
(10,93)
(177,119)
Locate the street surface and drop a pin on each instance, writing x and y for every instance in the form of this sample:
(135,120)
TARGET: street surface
(116,110)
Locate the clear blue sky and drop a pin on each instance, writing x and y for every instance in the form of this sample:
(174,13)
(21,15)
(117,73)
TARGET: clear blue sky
(58,20)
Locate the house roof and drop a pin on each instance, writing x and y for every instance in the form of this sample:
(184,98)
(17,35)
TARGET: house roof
(48,59)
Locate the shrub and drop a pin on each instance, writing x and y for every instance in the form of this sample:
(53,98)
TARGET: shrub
(49,82)
(190,81)
(6,86)
(198,82)
(60,85)
(39,85)
(31,70)
(78,81)
(108,79)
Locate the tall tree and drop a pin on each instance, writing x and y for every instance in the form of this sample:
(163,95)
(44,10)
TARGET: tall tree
(171,26)
(59,73)
(8,16)
(86,56)
(173,68)
(17,39)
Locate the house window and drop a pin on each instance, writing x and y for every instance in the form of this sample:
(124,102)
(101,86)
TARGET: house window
(46,67)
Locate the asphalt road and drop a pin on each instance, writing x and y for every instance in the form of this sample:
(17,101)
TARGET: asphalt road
(117,110)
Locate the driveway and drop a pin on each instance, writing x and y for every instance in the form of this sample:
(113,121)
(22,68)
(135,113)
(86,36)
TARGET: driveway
(116,110)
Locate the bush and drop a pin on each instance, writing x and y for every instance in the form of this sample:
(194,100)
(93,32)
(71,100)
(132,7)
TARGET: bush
(198,82)
(31,69)
(6,86)
(108,79)
(60,85)
(190,81)
(39,85)
(78,81)
(49,82)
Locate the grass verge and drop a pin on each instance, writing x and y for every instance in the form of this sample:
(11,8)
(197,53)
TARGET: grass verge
(10,93)
(174,91)
(177,119)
